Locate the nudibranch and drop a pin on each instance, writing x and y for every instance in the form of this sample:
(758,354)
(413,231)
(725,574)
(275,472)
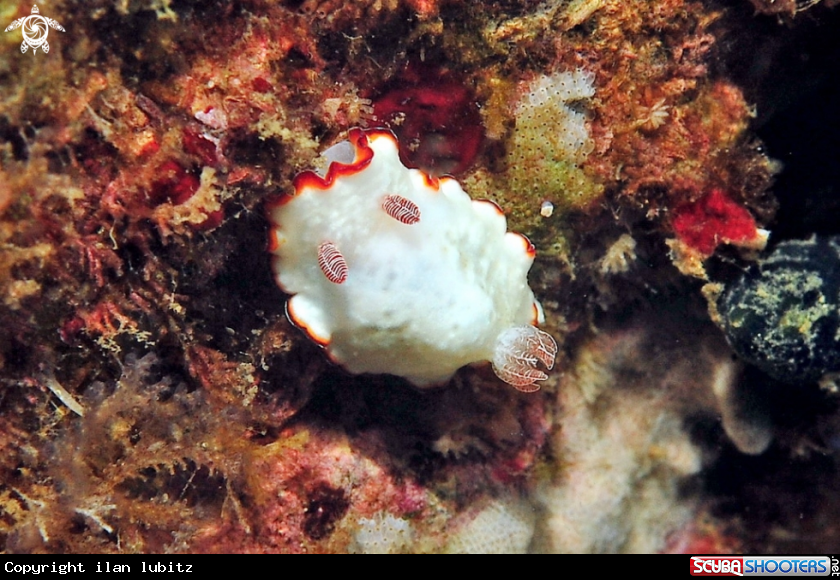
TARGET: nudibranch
(397,272)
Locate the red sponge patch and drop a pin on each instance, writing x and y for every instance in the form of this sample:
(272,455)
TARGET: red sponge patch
(711,220)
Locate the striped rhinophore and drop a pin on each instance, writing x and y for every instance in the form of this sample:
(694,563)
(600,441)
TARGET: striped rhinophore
(332,263)
(401,209)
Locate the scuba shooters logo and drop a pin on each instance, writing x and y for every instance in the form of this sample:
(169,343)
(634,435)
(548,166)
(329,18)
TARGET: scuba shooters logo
(717,566)
(761,566)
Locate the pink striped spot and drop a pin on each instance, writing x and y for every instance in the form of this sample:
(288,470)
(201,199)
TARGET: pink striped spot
(401,209)
(332,263)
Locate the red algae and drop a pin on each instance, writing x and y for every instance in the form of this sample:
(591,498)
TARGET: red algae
(175,185)
(435,118)
(712,220)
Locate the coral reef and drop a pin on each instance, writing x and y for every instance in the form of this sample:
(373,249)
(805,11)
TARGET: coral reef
(623,444)
(154,397)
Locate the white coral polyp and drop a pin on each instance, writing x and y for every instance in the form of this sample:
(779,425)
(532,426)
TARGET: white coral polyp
(383,534)
(550,100)
(421,297)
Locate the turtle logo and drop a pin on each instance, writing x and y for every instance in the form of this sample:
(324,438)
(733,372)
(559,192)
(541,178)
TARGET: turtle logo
(35,29)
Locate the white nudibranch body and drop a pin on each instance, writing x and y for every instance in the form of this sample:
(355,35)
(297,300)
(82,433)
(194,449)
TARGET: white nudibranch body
(393,271)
